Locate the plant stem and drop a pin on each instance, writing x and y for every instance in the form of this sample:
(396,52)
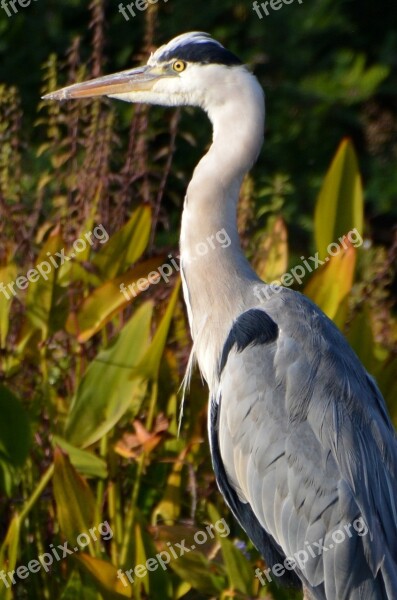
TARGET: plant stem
(37,493)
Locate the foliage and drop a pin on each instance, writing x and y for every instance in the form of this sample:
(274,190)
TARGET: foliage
(89,395)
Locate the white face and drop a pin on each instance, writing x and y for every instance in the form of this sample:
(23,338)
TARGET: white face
(182,83)
(173,84)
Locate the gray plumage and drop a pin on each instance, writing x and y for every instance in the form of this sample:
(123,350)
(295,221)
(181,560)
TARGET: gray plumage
(305,440)
(302,445)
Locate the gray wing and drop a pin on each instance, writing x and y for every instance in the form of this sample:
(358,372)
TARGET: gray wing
(308,452)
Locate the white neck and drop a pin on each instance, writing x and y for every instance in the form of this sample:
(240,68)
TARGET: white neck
(216,281)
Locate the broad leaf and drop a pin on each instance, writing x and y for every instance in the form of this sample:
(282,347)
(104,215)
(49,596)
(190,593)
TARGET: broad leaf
(199,572)
(107,300)
(150,363)
(77,589)
(109,387)
(105,574)
(74,500)
(156,583)
(339,207)
(84,462)
(237,566)
(331,283)
(126,246)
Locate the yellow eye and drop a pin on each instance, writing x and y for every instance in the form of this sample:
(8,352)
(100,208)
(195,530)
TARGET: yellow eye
(179,66)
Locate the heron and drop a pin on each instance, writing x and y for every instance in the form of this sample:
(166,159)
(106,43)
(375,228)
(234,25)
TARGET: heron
(303,448)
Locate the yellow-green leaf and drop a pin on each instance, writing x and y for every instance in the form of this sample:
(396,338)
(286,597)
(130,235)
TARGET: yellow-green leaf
(74,499)
(238,568)
(77,589)
(84,462)
(111,385)
(126,246)
(339,207)
(331,283)
(73,271)
(9,554)
(39,296)
(156,584)
(8,274)
(200,573)
(150,363)
(103,303)
(105,574)
(361,338)
(61,159)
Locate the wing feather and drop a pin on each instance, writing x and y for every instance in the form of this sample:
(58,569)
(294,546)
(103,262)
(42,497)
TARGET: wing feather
(306,442)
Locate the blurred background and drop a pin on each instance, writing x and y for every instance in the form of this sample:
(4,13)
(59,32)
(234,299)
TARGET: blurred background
(90,378)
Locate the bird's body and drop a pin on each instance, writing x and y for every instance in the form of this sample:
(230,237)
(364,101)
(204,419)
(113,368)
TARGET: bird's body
(303,448)
(305,442)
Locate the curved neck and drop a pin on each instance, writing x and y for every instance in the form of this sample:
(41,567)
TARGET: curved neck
(216,272)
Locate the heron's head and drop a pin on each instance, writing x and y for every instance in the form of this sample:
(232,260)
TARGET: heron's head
(192,69)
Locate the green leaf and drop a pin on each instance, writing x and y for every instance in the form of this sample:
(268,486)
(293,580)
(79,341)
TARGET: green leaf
(77,271)
(102,304)
(331,283)
(361,338)
(348,81)
(9,554)
(237,567)
(339,207)
(39,297)
(84,462)
(8,274)
(15,437)
(126,246)
(150,363)
(109,386)
(77,589)
(199,572)
(105,575)
(74,500)
(156,583)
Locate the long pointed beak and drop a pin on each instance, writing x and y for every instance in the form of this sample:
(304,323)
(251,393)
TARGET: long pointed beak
(132,80)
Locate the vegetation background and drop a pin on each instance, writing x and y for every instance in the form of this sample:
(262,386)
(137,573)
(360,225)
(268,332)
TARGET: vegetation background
(89,382)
